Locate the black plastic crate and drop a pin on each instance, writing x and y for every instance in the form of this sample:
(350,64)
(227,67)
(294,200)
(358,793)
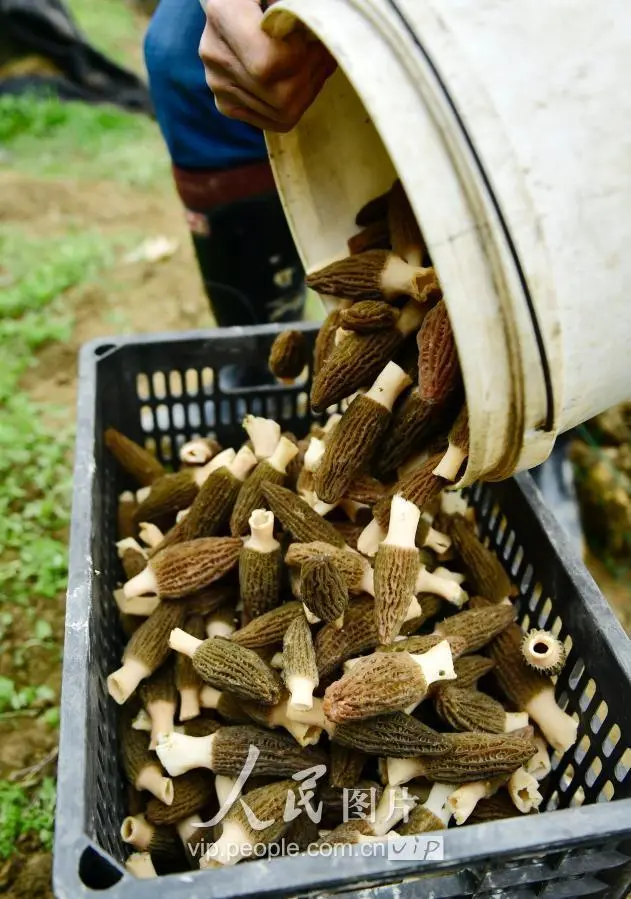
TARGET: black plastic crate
(164,389)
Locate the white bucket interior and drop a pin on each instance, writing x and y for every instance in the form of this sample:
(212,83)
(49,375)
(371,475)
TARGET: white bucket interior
(520,220)
(348,148)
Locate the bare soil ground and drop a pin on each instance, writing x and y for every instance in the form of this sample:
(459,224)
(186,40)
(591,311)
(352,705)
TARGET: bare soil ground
(148,296)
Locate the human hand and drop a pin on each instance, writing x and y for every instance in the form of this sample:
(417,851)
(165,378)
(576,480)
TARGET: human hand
(258,79)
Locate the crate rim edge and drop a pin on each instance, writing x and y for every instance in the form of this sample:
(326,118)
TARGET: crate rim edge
(87,351)
(315,872)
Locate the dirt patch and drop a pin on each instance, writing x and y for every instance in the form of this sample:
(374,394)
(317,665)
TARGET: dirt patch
(25,740)
(135,297)
(43,204)
(29,876)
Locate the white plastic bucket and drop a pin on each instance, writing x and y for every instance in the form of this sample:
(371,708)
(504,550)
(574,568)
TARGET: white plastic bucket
(509,124)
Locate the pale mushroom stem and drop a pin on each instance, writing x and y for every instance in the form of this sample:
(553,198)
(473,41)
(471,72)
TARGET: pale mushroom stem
(397,277)
(410,319)
(150,534)
(142,583)
(414,609)
(428,582)
(223,788)
(223,459)
(140,865)
(319,506)
(188,828)
(261,538)
(283,454)
(400,771)
(333,420)
(437,663)
(370,538)
(452,502)
(436,802)
(523,789)
(557,726)
(314,453)
(463,801)
(162,713)
(456,577)
(142,721)
(311,618)
(119,598)
(142,606)
(450,464)
(539,765)
(404,519)
(264,434)
(367,583)
(122,683)
(189,703)
(180,753)
(515,721)
(389,385)
(303,734)
(129,543)
(243,463)
(543,651)
(182,642)
(301,692)
(137,831)
(314,716)
(209,697)
(393,807)
(220,624)
(195,452)
(151,779)
(437,541)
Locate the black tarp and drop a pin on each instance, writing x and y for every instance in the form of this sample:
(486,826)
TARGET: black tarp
(72,69)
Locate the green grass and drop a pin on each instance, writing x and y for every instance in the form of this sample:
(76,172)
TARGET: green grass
(111,27)
(35,481)
(26,812)
(16,699)
(49,138)
(34,457)
(39,279)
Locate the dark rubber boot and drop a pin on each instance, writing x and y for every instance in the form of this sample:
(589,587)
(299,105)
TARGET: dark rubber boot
(249,264)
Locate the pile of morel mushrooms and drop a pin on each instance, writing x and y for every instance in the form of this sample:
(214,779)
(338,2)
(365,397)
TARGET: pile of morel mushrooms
(314,620)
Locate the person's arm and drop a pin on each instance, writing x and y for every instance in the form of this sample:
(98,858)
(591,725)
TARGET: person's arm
(266,82)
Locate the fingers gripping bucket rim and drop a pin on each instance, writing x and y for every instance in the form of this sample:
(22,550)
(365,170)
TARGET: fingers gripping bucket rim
(383,104)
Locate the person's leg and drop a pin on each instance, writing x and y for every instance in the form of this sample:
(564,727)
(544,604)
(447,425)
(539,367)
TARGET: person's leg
(247,257)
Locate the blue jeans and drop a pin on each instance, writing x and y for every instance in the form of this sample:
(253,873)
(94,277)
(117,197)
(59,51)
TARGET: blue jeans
(197,135)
